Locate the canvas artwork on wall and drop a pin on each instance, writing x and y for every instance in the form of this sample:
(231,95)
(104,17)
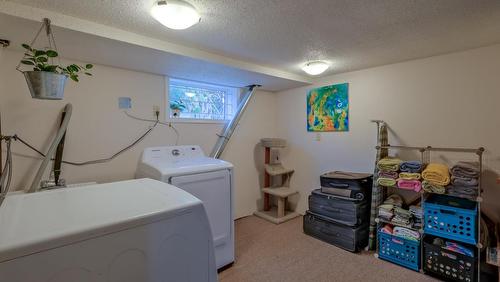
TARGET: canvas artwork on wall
(328,108)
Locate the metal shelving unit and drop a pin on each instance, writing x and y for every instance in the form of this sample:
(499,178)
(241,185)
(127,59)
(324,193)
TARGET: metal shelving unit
(425,156)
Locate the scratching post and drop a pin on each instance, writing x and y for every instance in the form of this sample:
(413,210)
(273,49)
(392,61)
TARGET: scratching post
(279,191)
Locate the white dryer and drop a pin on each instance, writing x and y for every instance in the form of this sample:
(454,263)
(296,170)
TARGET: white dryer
(208,179)
(137,230)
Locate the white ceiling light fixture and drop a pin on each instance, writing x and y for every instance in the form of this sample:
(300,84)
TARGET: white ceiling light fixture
(315,67)
(175,14)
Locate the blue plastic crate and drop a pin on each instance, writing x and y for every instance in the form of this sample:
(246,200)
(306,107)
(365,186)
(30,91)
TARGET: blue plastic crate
(450,217)
(399,250)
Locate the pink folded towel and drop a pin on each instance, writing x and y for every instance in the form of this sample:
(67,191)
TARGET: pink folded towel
(406,184)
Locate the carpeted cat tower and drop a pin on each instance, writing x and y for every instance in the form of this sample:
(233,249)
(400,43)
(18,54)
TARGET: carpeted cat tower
(276,184)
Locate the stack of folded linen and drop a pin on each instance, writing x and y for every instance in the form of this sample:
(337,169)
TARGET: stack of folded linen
(411,166)
(385,212)
(436,174)
(418,215)
(402,217)
(465,180)
(388,171)
(409,177)
(386,209)
(406,233)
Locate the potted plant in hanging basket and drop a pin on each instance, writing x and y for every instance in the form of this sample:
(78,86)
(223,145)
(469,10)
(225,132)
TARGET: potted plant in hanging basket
(177,107)
(46,79)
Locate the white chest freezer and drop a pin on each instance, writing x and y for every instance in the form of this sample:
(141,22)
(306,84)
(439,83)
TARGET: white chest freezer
(208,179)
(138,230)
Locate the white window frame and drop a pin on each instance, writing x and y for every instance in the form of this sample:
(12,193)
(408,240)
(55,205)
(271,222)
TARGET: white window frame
(236,96)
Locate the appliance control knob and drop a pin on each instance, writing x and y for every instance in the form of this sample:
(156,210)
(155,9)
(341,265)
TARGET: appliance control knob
(176,152)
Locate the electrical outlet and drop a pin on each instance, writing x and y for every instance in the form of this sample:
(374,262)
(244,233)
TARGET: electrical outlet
(317,137)
(156,109)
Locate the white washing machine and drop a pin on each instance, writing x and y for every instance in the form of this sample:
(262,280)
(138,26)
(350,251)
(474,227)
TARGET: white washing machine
(138,230)
(208,179)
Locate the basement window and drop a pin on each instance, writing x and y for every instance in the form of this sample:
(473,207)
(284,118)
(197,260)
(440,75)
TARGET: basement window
(196,101)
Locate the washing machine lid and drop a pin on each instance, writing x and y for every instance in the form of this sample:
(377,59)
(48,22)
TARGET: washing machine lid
(34,222)
(190,166)
(180,160)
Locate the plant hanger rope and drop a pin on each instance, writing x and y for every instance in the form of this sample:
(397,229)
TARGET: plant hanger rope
(50,38)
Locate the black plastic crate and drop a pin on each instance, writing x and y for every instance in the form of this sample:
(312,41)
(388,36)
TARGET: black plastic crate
(341,209)
(346,237)
(449,265)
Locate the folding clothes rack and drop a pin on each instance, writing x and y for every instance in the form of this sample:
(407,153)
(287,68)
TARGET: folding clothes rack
(425,155)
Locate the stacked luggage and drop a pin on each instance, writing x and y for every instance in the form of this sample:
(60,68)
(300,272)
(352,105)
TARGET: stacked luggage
(339,212)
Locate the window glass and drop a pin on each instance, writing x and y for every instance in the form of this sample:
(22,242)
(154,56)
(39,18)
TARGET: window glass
(194,100)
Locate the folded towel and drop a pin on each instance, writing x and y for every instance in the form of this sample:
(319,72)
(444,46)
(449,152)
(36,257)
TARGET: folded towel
(409,175)
(406,233)
(437,174)
(432,188)
(417,211)
(402,212)
(389,164)
(402,221)
(388,174)
(469,193)
(385,214)
(386,229)
(411,166)
(464,181)
(389,182)
(414,185)
(466,169)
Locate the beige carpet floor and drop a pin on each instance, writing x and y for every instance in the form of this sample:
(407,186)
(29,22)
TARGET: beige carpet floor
(268,252)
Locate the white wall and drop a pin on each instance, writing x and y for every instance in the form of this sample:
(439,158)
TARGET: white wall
(98,128)
(451,101)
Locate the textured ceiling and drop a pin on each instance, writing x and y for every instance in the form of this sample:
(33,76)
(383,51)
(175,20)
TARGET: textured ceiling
(352,34)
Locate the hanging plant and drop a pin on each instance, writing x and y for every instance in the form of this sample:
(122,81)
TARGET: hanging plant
(39,59)
(177,107)
(46,79)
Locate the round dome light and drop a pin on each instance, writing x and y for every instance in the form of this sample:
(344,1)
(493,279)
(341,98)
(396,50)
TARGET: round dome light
(315,67)
(175,14)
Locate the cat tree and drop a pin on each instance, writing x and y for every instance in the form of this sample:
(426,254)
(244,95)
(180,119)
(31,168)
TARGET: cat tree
(276,184)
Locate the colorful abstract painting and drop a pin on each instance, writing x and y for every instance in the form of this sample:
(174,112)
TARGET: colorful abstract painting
(328,108)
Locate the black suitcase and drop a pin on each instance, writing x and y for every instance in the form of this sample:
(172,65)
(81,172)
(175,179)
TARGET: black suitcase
(343,210)
(352,239)
(347,184)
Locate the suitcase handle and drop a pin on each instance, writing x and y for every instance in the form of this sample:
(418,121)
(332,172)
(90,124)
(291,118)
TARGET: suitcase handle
(339,185)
